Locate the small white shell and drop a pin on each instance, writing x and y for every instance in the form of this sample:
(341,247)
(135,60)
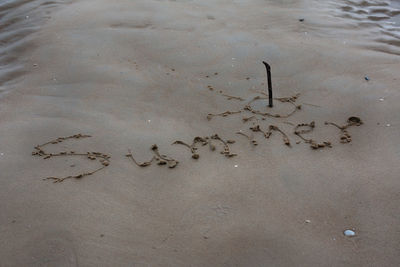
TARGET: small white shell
(349,233)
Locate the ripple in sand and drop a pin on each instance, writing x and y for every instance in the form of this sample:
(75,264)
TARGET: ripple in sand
(378,20)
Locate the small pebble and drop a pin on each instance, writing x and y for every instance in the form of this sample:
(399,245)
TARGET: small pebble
(148,120)
(366,78)
(308,221)
(236,166)
(349,233)
(388,125)
(381,99)
(301,20)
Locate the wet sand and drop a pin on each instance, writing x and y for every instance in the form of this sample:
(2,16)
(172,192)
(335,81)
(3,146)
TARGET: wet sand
(136,73)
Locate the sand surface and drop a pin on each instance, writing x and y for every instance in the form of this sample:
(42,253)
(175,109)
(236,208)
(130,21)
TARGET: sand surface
(134,73)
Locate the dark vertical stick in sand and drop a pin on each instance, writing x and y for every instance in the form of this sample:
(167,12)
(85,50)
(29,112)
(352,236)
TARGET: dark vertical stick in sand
(268,67)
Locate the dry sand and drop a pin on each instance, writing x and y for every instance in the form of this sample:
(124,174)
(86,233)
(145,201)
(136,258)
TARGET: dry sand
(134,73)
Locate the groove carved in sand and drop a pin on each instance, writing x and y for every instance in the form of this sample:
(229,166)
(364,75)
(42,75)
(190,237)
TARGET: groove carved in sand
(103,159)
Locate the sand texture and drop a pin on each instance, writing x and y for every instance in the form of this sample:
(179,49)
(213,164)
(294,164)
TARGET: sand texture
(132,74)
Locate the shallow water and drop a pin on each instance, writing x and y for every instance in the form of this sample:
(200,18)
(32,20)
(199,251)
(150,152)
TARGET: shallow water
(396,18)
(376,22)
(18,20)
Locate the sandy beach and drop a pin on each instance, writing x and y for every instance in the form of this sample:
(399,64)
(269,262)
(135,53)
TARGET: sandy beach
(136,73)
